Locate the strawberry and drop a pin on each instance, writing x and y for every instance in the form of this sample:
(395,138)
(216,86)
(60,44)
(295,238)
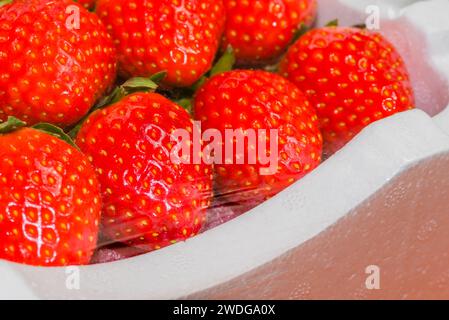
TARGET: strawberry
(52,70)
(49,200)
(244,100)
(88,4)
(179,37)
(260,31)
(149,200)
(352,77)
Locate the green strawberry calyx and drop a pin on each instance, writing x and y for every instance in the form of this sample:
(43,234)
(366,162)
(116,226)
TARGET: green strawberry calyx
(360,26)
(55,131)
(224,63)
(133,85)
(4,2)
(303,29)
(12,124)
(332,23)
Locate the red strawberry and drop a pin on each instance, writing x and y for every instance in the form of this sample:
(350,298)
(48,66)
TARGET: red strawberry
(49,201)
(351,76)
(149,201)
(50,69)
(260,30)
(245,100)
(88,4)
(179,37)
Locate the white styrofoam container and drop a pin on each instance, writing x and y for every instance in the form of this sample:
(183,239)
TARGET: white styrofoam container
(380,201)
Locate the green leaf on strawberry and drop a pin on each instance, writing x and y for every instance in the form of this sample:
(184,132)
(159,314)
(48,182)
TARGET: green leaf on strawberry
(11,124)
(158,77)
(186,103)
(55,131)
(332,23)
(133,85)
(139,84)
(4,2)
(360,26)
(225,63)
(303,29)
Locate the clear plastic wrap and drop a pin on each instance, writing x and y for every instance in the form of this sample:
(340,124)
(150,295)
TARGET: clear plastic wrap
(195,132)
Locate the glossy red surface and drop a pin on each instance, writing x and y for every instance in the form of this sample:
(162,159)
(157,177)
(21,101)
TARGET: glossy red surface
(260,31)
(180,37)
(51,69)
(261,101)
(49,201)
(351,76)
(149,200)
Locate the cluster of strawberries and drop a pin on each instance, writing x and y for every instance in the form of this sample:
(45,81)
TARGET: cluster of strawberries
(116,182)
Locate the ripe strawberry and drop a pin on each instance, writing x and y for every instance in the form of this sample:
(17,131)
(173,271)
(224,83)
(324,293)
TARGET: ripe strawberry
(50,69)
(260,31)
(149,200)
(88,4)
(179,37)
(244,99)
(351,76)
(49,201)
